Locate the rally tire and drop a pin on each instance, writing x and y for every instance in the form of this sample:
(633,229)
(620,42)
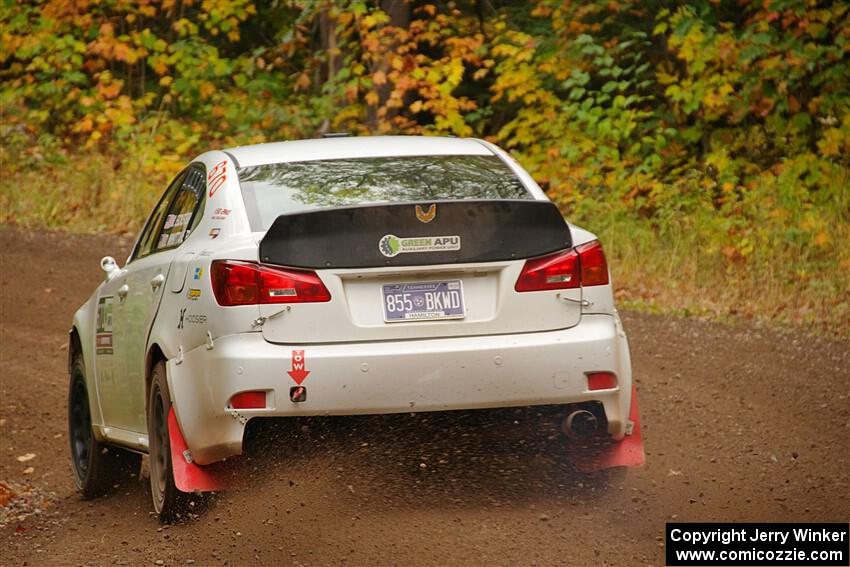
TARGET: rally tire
(97,467)
(169,503)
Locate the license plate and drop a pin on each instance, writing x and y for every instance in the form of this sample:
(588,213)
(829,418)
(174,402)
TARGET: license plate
(423,301)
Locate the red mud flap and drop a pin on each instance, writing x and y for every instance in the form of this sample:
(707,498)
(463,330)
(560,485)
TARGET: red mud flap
(607,454)
(190,477)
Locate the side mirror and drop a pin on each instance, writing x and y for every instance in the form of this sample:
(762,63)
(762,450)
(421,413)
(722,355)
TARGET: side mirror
(108,265)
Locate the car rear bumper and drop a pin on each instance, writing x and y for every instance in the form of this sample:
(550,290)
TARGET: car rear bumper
(394,377)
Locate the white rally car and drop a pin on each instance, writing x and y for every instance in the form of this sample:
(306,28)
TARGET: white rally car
(342,276)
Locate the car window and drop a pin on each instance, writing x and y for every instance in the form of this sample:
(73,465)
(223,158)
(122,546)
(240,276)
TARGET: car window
(148,237)
(178,221)
(274,189)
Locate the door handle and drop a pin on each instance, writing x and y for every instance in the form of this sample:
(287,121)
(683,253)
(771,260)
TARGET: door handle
(122,292)
(157,281)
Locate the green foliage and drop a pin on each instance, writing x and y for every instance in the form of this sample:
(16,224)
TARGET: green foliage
(709,141)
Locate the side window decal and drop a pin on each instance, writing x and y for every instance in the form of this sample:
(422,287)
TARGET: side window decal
(182,210)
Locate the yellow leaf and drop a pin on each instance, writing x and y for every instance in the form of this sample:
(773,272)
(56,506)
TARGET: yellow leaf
(379,78)
(372,98)
(207,89)
(830,144)
(303,81)
(84,125)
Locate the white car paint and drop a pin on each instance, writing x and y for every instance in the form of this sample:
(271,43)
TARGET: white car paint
(508,351)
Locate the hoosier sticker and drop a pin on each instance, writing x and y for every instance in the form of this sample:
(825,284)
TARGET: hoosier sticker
(391,245)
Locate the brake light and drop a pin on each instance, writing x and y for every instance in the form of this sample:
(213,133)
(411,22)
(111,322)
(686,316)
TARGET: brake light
(558,271)
(594,267)
(246,283)
(583,265)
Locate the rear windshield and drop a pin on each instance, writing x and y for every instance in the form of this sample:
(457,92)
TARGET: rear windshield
(274,189)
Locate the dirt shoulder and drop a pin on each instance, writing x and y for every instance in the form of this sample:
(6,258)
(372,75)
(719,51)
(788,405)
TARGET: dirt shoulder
(740,423)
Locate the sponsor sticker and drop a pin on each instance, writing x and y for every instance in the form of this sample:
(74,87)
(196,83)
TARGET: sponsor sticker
(193,294)
(174,239)
(221,213)
(196,319)
(182,316)
(391,245)
(103,330)
(198,273)
(214,232)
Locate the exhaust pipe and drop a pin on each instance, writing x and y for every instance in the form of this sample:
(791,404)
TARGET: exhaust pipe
(580,425)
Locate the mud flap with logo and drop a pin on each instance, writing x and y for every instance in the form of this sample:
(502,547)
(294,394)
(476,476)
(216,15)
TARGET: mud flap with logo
(607,454)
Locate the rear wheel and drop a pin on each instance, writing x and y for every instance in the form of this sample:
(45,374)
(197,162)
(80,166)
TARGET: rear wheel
(97,467)
(169,502)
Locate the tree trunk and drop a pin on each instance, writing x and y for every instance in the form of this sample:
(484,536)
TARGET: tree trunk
(399,13)
(330,46)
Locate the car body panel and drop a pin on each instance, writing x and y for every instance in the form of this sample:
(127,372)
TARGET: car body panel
(353,147)
(492,306)
(394,377)
(510,349)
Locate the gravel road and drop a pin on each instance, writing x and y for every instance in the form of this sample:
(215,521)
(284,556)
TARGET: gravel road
(740,423)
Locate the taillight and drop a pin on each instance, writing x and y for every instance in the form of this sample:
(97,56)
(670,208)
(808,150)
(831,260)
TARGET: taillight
(594,268)
(246,283)
(583,265)
(558,271)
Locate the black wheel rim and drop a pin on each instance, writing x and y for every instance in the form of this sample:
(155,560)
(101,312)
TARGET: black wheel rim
(159,449)
(80,424)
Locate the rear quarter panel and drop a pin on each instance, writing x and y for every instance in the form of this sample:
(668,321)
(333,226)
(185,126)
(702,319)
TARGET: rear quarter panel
(188,314)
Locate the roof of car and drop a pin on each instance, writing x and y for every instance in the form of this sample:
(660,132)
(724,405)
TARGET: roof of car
(355,147)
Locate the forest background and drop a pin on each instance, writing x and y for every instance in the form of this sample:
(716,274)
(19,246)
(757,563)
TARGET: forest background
(706,142)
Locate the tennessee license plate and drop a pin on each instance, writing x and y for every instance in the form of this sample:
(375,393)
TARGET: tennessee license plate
(423,301)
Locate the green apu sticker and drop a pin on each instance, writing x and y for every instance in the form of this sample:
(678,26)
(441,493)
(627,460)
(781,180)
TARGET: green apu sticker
(391,245)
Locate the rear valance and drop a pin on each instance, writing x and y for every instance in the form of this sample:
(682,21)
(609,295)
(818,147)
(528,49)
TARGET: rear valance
(415,234)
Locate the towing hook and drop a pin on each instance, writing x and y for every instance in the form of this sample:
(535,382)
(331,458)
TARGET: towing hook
(579,425)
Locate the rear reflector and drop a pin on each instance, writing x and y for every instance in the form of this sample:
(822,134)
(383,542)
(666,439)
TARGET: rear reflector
(581,266)
(246,283)
(601,380)
(248,400)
